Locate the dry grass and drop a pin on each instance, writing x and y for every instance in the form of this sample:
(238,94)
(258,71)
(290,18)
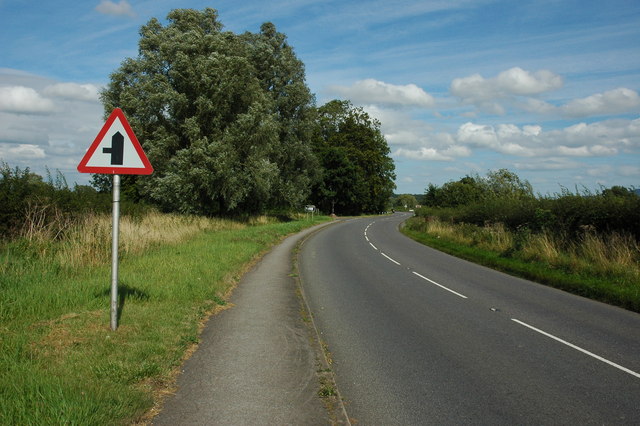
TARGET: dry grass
(614,253)
(87,240)
(543,247)
(491,237)
(607,254)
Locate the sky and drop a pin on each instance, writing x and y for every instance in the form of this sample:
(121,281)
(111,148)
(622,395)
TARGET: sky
(548,89)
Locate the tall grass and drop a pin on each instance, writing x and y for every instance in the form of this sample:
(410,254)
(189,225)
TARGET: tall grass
(607,265)
(59,361)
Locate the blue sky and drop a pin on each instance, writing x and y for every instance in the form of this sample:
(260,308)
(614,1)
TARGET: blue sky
(545,88)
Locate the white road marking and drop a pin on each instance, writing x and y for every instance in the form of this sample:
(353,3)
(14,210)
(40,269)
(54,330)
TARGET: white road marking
(374,247)
(440,285)
(389,258)
(578,348)
(366,238)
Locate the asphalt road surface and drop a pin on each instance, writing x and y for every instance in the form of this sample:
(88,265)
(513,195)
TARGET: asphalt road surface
(420,337)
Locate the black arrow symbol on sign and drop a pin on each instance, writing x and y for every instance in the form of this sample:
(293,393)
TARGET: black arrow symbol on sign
(116,150)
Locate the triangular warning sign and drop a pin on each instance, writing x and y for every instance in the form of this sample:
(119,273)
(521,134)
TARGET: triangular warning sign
(116,150)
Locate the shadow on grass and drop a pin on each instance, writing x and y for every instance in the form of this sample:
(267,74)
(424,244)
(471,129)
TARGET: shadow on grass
(125,293)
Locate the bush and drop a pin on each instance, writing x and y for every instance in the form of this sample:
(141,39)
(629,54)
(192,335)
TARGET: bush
(507,200)
(29,204)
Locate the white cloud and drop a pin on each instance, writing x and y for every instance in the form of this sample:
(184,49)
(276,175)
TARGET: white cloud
(599,139)
(433,154)
(478,135)
(615,101)
(108,7)
(21,152)
(73,91)
(547,164)
(370,91)
(537,106)
(514,81)
(485,93)
(517,81)
(24,100)
(37,131)
(612,102)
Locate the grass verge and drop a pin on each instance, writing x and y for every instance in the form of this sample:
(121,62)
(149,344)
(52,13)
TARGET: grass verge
(59,361)
(609,285)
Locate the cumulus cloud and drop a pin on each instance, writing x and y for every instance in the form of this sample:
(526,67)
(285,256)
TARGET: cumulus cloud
(108,7)
(485,92)
(73,91)
(599,139)
(612,102)
(47,123)
(433,154)
(615,101)
(514,81)
(21,152)
(24,100)
(370,91)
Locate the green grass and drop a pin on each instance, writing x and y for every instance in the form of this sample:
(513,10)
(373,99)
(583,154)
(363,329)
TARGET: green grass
(59,361)
(621,288)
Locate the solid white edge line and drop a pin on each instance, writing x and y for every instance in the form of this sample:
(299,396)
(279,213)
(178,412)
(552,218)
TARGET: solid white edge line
(440,285)
(578,348)
(374,247)
(389,258)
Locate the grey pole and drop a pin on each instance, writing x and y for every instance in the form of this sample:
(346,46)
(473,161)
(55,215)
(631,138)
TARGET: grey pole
(114,252)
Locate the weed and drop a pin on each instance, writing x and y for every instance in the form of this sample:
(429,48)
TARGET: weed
(327,391)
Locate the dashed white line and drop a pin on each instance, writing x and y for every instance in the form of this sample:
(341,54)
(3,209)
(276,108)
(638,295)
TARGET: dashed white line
(397,263)
(440,285)
(374,247)
(578,348)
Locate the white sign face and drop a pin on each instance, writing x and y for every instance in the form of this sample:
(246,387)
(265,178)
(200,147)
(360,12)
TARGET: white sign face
(116,150)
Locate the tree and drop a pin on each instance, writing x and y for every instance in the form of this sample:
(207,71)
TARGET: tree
(223,118)
(405,201)
(357,172)
(503,183)
(453,194)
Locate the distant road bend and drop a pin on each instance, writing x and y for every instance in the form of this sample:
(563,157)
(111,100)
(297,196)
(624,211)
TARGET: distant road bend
(420,337)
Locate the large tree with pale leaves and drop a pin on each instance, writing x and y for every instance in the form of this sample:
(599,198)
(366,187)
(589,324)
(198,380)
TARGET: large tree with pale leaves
(225,119)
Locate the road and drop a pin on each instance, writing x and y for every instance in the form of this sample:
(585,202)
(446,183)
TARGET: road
(420,337)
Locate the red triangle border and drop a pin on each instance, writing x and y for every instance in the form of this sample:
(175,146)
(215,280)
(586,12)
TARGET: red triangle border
(116,170)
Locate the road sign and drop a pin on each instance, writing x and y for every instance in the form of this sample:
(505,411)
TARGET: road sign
(116,150)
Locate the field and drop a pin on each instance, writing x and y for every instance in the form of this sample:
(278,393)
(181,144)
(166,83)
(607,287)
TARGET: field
(59,361)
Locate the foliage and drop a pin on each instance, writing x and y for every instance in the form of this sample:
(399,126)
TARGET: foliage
(502,197)
(405,201)
(27,200)
(357,172)
(224,118)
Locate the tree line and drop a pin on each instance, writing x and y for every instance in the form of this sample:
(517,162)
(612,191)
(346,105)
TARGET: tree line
(503,197)
(230,126)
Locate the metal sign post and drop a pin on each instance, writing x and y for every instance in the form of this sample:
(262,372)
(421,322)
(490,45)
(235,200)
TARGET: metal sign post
(115,151)
(114,252)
